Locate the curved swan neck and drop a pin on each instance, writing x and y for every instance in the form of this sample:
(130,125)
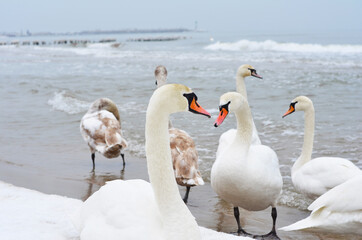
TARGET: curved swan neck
(244,126)
(308,139)
(174,213)
(240,86)
(159,161)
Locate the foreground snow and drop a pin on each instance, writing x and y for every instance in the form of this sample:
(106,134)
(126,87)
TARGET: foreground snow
(28,214)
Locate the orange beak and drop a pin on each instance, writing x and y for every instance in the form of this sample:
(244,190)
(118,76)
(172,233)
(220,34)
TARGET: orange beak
(196,108)
(222,115)
(291,110)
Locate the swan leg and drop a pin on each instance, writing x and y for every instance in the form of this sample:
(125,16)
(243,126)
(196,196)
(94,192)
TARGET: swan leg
(273,233)
(124,163)
(94,165)
(187,194)
(237,217)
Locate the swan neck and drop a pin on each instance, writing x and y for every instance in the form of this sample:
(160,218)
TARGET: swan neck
(173,210)
(244,126)
(240,86)
(308,139)
(159,162)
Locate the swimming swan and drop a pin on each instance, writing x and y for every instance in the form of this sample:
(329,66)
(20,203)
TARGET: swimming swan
(101,130)
(135,209)
(339,210)
(227,137)
(183,151)
(315,177)
(244,174)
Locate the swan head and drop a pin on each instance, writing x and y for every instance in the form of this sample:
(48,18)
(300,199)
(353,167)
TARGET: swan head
(301,103)
(104,104)
(229,102)
(247,70)
(178,98)
(160,75)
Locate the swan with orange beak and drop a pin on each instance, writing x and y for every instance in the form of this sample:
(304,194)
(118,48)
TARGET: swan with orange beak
(244,174)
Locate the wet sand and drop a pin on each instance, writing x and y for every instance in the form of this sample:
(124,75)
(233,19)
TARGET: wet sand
(209,210)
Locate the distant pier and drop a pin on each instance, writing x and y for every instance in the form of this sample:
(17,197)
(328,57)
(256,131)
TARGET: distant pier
(84,42)
(155,39)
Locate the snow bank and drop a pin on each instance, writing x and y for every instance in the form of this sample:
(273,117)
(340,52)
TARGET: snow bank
(28,214)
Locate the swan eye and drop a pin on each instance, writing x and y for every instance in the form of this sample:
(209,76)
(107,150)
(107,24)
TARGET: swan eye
(252,70)
(190,96)
(226,106)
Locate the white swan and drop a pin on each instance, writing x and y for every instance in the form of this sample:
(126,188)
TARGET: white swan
(101,129)
(245,174)
(134,209)
(339,210)
(183,150)
(227,137)
(315,177)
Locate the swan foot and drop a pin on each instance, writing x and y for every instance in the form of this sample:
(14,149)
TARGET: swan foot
(124,163)
(272,235)
(186,194)
(242,233)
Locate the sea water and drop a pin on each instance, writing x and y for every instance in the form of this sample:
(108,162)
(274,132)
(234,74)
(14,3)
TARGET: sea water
(45,91)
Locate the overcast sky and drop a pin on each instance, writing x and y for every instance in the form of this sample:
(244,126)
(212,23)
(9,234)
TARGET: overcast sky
(278,15)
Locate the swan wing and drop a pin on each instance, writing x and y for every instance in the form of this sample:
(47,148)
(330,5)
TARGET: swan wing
(338,210)
(184,158)
(319,175)
(345,197)
(225,140)
(102,131)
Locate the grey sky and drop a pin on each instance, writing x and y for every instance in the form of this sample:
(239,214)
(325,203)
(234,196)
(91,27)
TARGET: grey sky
(273,15)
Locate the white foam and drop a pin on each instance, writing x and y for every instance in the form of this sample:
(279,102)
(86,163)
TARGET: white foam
(61,101)
(270,45)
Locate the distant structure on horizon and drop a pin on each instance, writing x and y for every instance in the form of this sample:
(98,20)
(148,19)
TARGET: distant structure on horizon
(99,32)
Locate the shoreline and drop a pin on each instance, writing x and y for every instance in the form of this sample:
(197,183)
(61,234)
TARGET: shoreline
(209,210)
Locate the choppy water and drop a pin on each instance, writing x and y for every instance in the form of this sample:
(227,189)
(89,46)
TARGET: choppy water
(45,90)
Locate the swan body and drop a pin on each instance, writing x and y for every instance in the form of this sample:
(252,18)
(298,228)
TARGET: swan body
(227,137)
(101,129)
(184,159)
(135,209)
(244,174)
(338,210)
(183,151)
(315,177)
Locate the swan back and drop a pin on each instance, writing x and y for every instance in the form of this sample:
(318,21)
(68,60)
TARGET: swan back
(338,210)
(101,128)
(104,104)
(121,209)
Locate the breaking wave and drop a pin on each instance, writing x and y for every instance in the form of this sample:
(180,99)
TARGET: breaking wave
(65,102)
(270,45)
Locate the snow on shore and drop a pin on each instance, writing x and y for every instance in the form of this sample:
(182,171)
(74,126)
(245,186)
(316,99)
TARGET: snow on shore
(32,215)
(28,214)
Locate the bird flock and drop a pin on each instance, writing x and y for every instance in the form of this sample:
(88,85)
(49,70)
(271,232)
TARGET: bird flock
(245,172)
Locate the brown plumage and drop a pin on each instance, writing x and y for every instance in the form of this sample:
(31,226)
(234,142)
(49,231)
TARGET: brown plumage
(101,129)
(183,151)
(184,158)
